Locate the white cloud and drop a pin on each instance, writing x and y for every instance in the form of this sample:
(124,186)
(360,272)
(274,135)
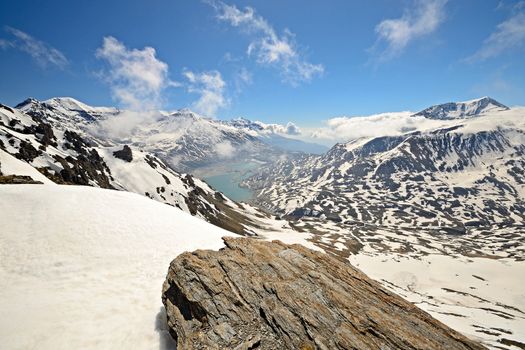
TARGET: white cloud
(137,77)
(288,129)
(292,129)
(511,5)
(4,44)
(210,87)
(420,20)
(124,124)
(244,76)
(343,129)
(267,46)
(224,149)
(43,54)
(508,35)
(241,79)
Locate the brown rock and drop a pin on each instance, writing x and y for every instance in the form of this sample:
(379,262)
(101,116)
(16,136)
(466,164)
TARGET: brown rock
(125,154)
(267,295)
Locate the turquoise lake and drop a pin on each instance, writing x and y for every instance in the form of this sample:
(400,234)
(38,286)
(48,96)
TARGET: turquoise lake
(228,183)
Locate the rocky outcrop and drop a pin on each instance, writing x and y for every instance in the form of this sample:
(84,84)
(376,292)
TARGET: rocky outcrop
(125,154)
(267,295)
(17,180)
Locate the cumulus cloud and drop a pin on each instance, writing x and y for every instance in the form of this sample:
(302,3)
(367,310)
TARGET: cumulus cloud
(137,77)
(211,88)
(43,54)
(343,129)
(121,126)
(509,34)
(288,129)
(394,35)
(224,149)
(268,47)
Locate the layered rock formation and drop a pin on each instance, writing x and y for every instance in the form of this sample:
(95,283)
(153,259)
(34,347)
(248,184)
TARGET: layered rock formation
(267,295)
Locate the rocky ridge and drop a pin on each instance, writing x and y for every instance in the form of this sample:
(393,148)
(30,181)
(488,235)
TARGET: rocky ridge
(268,295)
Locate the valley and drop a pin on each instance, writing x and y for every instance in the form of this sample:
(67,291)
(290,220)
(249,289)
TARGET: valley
(262,175)
(228,177)
(434,215)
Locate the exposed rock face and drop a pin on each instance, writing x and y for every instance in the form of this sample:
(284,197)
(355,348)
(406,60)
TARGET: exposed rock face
(124,154)
(17,179)
(267,295)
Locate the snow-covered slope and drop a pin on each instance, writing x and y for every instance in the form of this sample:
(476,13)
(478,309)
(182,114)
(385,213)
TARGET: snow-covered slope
(463,175)
(461,110)
(59,148)
(66,110)
(482,298)
(83,267)
(436,215)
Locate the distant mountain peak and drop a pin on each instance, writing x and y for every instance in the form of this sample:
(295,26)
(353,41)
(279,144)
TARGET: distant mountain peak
(245,123)
(63,104)
(27,102)
(72,104)
(188,113)
(64,99)
(462,110)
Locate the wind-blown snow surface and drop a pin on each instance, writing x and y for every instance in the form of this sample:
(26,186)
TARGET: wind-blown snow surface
(83,267)
(482,298)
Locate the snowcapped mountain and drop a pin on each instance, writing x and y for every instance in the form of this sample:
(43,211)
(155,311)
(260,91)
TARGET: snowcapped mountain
(65,110)
(183,139)
(461,110)
(188,141)
(57,146)
(436,215)
(467,174)
(381,202)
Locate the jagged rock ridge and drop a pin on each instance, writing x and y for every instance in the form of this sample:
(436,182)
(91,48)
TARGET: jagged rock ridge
(268,295)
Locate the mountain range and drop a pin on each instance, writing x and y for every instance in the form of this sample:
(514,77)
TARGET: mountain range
(466,173)
(182,138)
(60,138)
(435,214)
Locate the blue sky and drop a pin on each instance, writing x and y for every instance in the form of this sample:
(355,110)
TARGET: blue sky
(274,61)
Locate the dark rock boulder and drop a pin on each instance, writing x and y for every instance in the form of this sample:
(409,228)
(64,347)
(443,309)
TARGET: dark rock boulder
(27,152)
(267,295)
(124,154)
